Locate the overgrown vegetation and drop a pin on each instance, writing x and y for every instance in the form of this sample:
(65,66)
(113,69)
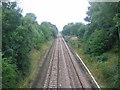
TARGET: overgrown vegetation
(20,34)
(99,38)
(35,58)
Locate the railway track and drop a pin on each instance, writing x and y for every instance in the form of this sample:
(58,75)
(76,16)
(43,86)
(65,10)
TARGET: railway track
(62,70)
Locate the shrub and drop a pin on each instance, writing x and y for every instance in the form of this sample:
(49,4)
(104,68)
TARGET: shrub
(103,57)
(9,73)
(110,73)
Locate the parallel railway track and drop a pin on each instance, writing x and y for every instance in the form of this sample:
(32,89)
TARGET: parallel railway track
(62,69)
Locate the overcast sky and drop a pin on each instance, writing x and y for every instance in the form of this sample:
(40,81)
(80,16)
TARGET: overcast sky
(58,12)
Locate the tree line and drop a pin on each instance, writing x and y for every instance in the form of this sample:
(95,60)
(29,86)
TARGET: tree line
(19,35)
(102,31)
(100,35)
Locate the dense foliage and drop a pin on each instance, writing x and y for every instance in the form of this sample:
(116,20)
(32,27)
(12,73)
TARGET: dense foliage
(100,35)
(102,31)
(20,34)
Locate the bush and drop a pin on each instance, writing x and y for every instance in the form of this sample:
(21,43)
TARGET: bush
(99,42)
(110,73)
(103,57)
(9,73)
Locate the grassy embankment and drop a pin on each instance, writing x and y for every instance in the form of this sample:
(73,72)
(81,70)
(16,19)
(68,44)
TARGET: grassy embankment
(105,72)
(35,56)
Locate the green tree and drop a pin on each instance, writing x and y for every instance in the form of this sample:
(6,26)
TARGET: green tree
(20,35)
(101,17)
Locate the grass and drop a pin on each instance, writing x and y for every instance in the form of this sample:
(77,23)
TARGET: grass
(105,72)
(35,56)
(100,69)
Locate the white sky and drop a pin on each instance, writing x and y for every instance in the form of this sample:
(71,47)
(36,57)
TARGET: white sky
(58,12)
